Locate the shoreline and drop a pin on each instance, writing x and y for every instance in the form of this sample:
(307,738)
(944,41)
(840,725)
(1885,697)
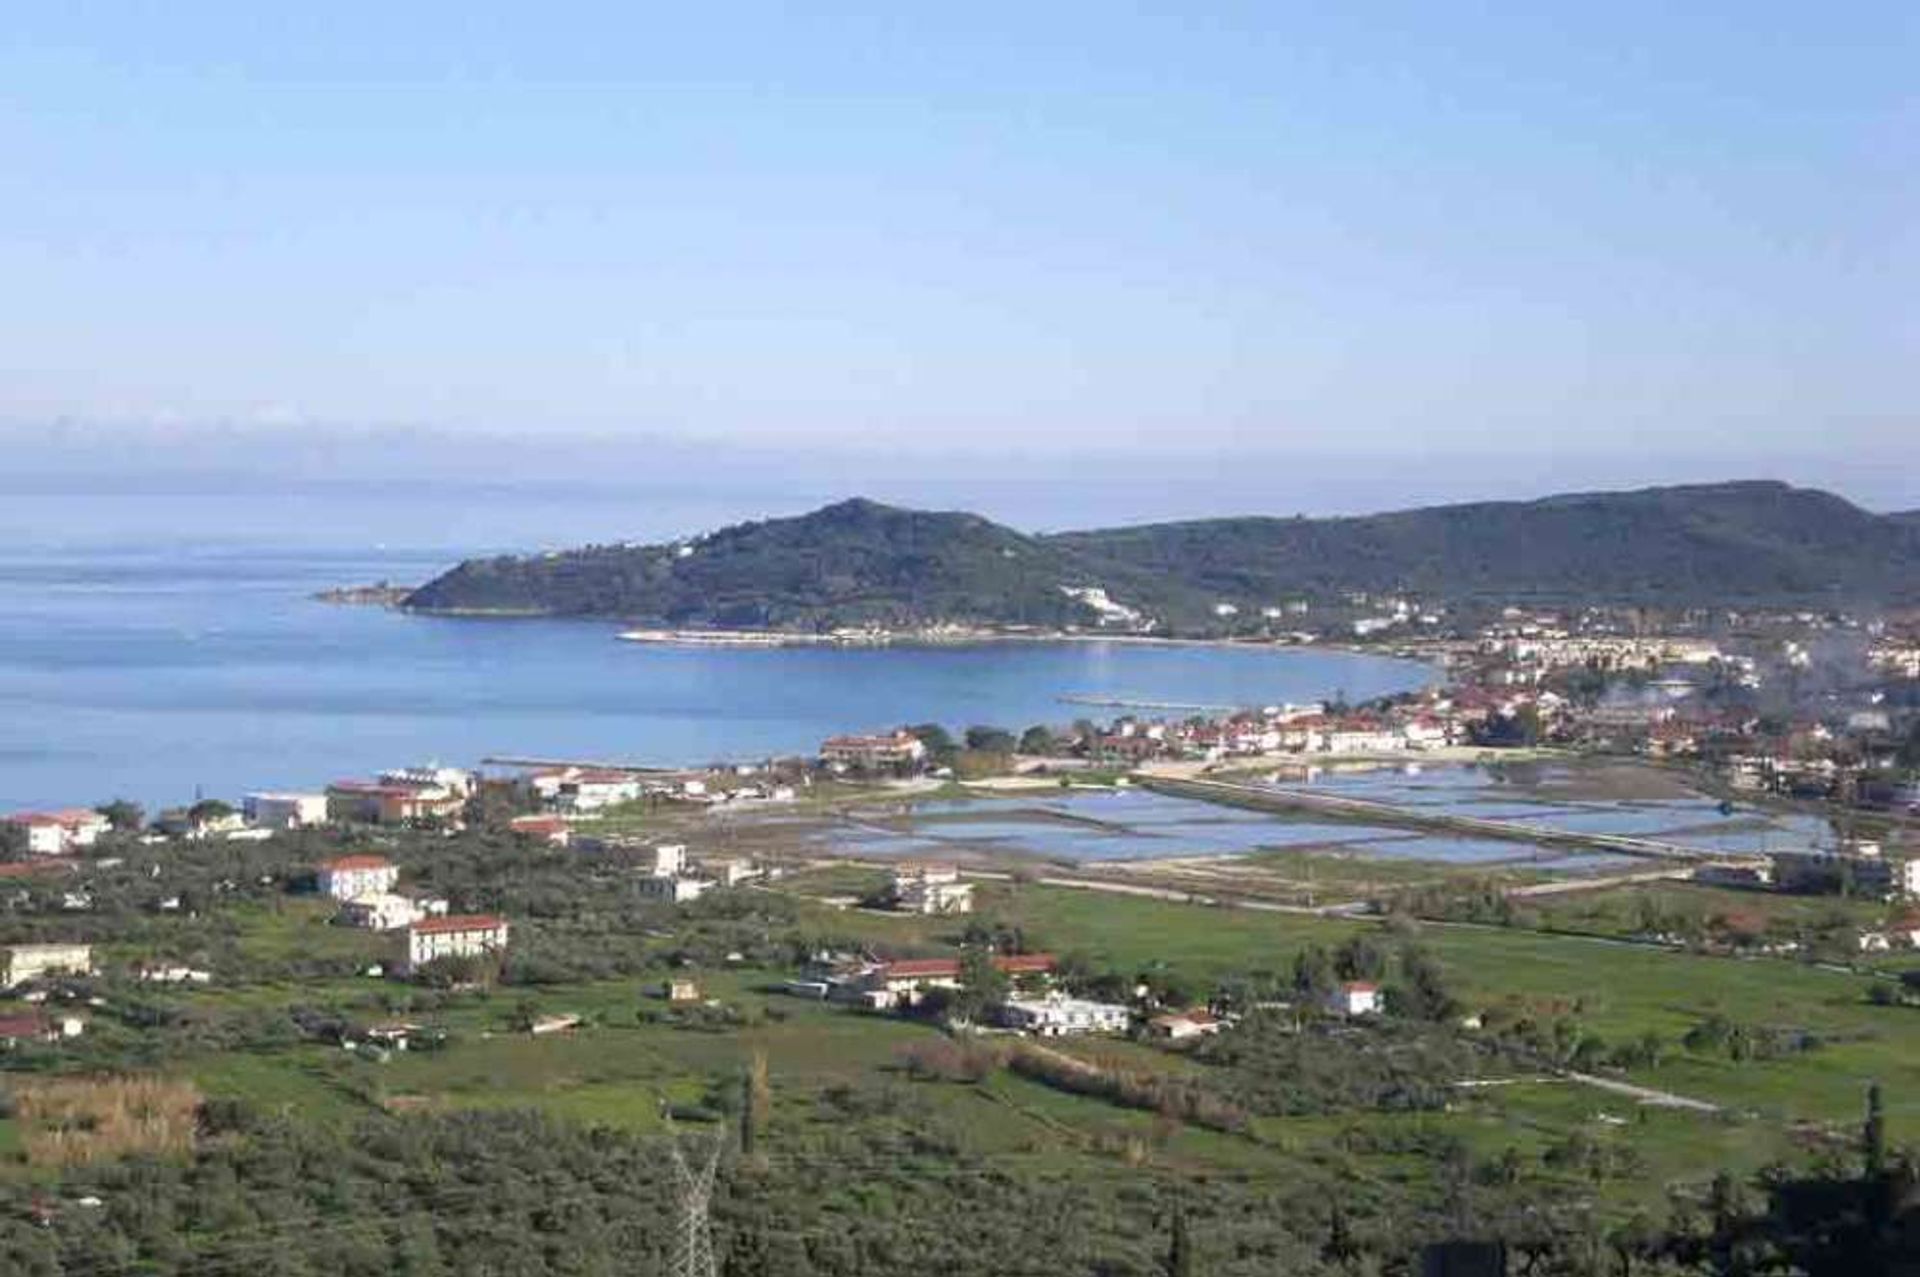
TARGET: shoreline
(970,638)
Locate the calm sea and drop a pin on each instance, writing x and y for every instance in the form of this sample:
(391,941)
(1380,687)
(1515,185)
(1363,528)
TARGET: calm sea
(156,647)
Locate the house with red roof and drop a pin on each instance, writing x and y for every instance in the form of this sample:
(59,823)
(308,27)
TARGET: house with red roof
(1354,997)
(886,986)
(350,877)
(58,833)
(459,935)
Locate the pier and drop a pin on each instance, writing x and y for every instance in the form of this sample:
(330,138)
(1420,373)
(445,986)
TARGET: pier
(1156,707)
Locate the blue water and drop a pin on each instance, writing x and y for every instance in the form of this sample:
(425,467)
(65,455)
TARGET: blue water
(155,667)
(1477,792)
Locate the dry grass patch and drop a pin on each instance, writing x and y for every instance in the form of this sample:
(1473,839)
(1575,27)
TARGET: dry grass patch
(79,1121)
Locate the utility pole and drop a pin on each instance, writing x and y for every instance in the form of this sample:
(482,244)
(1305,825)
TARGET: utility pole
(692,1234)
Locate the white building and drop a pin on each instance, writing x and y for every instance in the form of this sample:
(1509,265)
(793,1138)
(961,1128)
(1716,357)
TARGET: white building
(173,973)
(675,888)
(900,749)
(1355,997)
(731,873)
(276,810)
(26,962)
(669,858)
(931,889)
(350,877)
(1182,1026)
(386,911)
(59,833)
(450,780)
(454,936)
(1059,1016)
(583,788)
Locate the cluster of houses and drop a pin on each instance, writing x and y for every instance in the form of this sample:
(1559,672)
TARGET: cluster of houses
(23,969)
(930,889)
(402,796)
(366,885)
(1033,1005)
(1277,730)
(671,876)
(56,833)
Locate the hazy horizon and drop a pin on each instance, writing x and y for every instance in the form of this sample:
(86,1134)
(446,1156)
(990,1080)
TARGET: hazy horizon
(457,490)
(1530,251)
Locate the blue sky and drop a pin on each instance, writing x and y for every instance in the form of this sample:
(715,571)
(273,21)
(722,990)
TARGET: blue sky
(1474,248)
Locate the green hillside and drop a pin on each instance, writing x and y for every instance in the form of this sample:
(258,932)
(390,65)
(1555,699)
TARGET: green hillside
(1714,543)
(854,563)
(859,562)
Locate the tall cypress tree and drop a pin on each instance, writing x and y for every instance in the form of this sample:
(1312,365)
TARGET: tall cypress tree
(1874,1134)
(1180,1246)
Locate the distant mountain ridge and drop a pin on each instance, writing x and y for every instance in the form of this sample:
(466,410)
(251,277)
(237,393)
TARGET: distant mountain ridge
(859,562)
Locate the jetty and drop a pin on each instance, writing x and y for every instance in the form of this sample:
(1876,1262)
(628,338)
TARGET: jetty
(1156,707)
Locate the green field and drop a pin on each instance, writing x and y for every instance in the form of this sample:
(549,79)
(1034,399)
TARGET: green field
(631,1057)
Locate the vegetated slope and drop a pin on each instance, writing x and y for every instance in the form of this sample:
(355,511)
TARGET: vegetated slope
(859,562)
(853,563)
(1712,543)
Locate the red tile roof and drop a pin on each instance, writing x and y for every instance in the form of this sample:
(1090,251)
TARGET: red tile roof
(33,1024)
(29,868)
(358,861)
(460,922)
(931,968)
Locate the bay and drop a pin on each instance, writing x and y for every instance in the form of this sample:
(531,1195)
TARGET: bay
(175,656)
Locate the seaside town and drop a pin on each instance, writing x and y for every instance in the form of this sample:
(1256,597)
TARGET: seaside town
(1147,911)
(1754,711)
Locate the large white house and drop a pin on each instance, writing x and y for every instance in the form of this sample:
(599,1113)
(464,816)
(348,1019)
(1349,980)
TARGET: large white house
(1059,1016)
(350,877)
(465,935)
(25,962)
(59,833)
(898,749)
(931,889)
(386,911)
(274,810)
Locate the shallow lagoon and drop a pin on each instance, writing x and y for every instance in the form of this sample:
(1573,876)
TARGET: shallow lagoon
(1136,824)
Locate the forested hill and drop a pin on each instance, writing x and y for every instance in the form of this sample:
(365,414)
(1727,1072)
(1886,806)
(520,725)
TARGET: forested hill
(1707,543)
(858,562)
(854,563)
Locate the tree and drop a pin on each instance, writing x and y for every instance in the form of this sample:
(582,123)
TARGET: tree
(1873,1136)
(1360,958)
(1340,1249)
(208,810)
(1312,973)
(940,745)
(1422,992)
(1038,740)
(124,815)
(991,740)
(756,1095)
(1180,1246)
(982,984)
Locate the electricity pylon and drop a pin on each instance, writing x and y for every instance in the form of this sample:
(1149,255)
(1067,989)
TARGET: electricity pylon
(692,1234)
